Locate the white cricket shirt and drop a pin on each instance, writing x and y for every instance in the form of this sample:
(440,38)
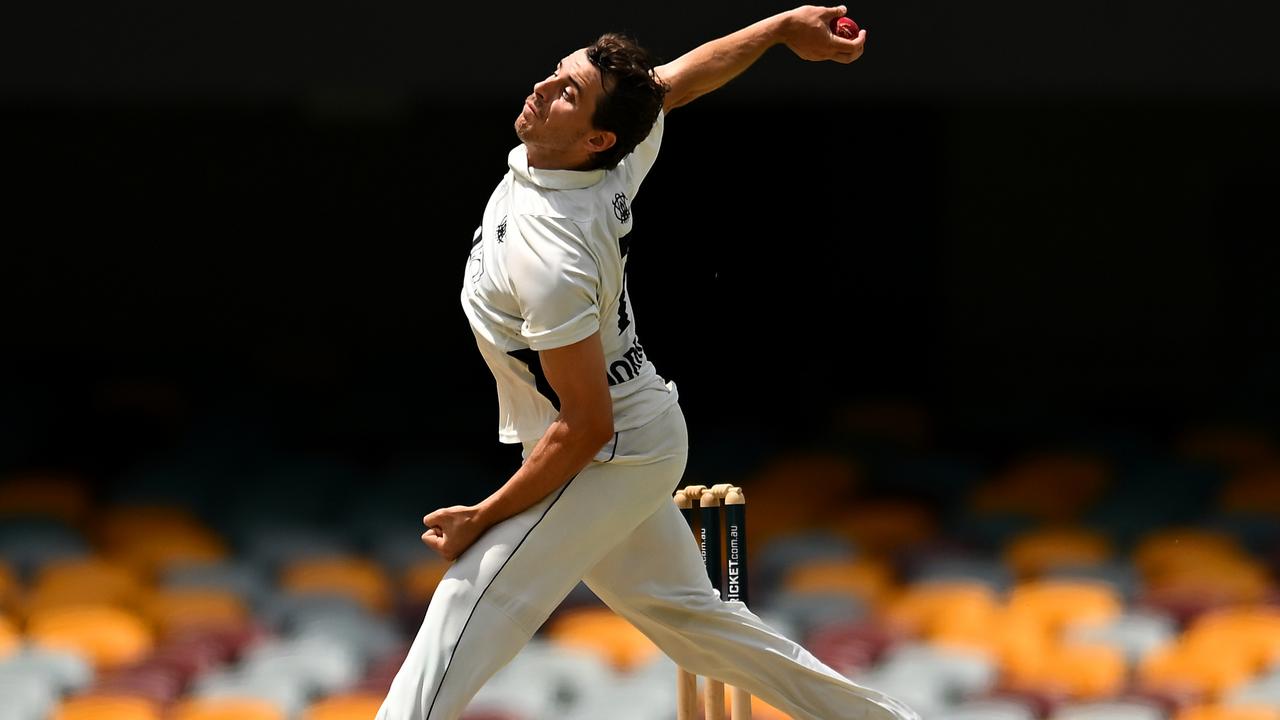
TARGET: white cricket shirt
(547,269)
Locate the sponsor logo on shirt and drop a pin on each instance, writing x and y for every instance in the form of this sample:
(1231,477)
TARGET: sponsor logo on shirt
(628,367)
(620,209)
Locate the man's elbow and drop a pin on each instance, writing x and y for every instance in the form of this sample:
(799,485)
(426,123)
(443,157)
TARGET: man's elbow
(602,429)
(594,427)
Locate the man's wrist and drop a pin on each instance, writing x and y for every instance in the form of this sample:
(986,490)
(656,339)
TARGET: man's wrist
(783,26)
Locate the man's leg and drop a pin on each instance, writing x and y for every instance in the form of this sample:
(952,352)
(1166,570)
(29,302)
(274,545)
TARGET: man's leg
(501,590)
(657,581)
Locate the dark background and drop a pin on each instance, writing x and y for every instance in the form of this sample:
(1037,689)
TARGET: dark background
(247,222)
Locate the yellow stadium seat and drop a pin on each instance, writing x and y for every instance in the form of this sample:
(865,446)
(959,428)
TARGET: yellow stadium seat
(357,578)
(1228,580)
(9,589)
(1223,712)
(10,641)
(788,485)
(1017,643)
(869,580)
(93,581)
(1058,603)
(1076,480)
(173,611)
(1081,672)
(226,709)
(420,580)
(345,707)
(106,707)
(107,636)
(1253,491)
(602,632)
(58,496)
(151,539)
(1037,552)
(884,527)
(919,609)
(1250,633)
(1235,448)
(1166,550)
(1183,668)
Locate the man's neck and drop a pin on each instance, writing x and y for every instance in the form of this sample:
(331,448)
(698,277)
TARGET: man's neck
(542,159)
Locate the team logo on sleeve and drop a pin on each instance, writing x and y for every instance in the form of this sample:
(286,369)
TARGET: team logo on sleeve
(620,209)
(502,229)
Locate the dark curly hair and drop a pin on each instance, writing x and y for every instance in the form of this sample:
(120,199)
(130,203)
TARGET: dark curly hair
(633,95)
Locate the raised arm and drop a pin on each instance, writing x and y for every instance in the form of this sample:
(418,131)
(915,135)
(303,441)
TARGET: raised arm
(806,30)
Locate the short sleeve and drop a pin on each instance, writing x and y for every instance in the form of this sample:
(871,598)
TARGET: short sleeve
(556,282)
(635,166)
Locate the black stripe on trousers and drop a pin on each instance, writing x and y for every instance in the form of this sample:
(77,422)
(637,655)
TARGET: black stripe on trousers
(449,664)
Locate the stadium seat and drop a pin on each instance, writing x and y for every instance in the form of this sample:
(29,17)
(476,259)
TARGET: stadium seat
(226,709)
(853,646)
(1121,575)
(272,546)
(1115,710)
(989,710)
(95,707)
(30,545)
(10,641)
(1251,633)
(63,671)
(886,527)
(962,568)
(109,637)
(9,589)
(1262,690)
(26,698)
(95,581)
(1080,672)
(1223,712)
(806,612)
(958,673)
(601,631)
(1033,554)
(366,635)
(345,707)
(235,576)
(828,476)
(1019,643)
(173,611)
(547,680)
(1077,481)
(59,497)
(152,681)
(1134,634)
(924,605)
(1181,667)
(354,577)
(420,580)
(1234,448)
(1060,603)
(781,553)
(315,663)
(869,581)
(221,689)
(1254,491)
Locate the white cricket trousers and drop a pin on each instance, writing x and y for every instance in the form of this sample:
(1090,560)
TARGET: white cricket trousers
(615,527)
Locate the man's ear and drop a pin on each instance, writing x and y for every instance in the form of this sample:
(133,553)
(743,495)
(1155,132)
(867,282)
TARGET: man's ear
(601,140)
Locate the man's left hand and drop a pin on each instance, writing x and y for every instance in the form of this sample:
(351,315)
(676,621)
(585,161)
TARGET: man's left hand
(452,530)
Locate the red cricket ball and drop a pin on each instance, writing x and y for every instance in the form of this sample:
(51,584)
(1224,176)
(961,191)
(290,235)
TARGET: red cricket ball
(845,27)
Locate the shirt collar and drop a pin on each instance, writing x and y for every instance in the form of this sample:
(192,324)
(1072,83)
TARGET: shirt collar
(518,159)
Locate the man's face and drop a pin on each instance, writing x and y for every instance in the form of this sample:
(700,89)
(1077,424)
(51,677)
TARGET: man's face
(556,118)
